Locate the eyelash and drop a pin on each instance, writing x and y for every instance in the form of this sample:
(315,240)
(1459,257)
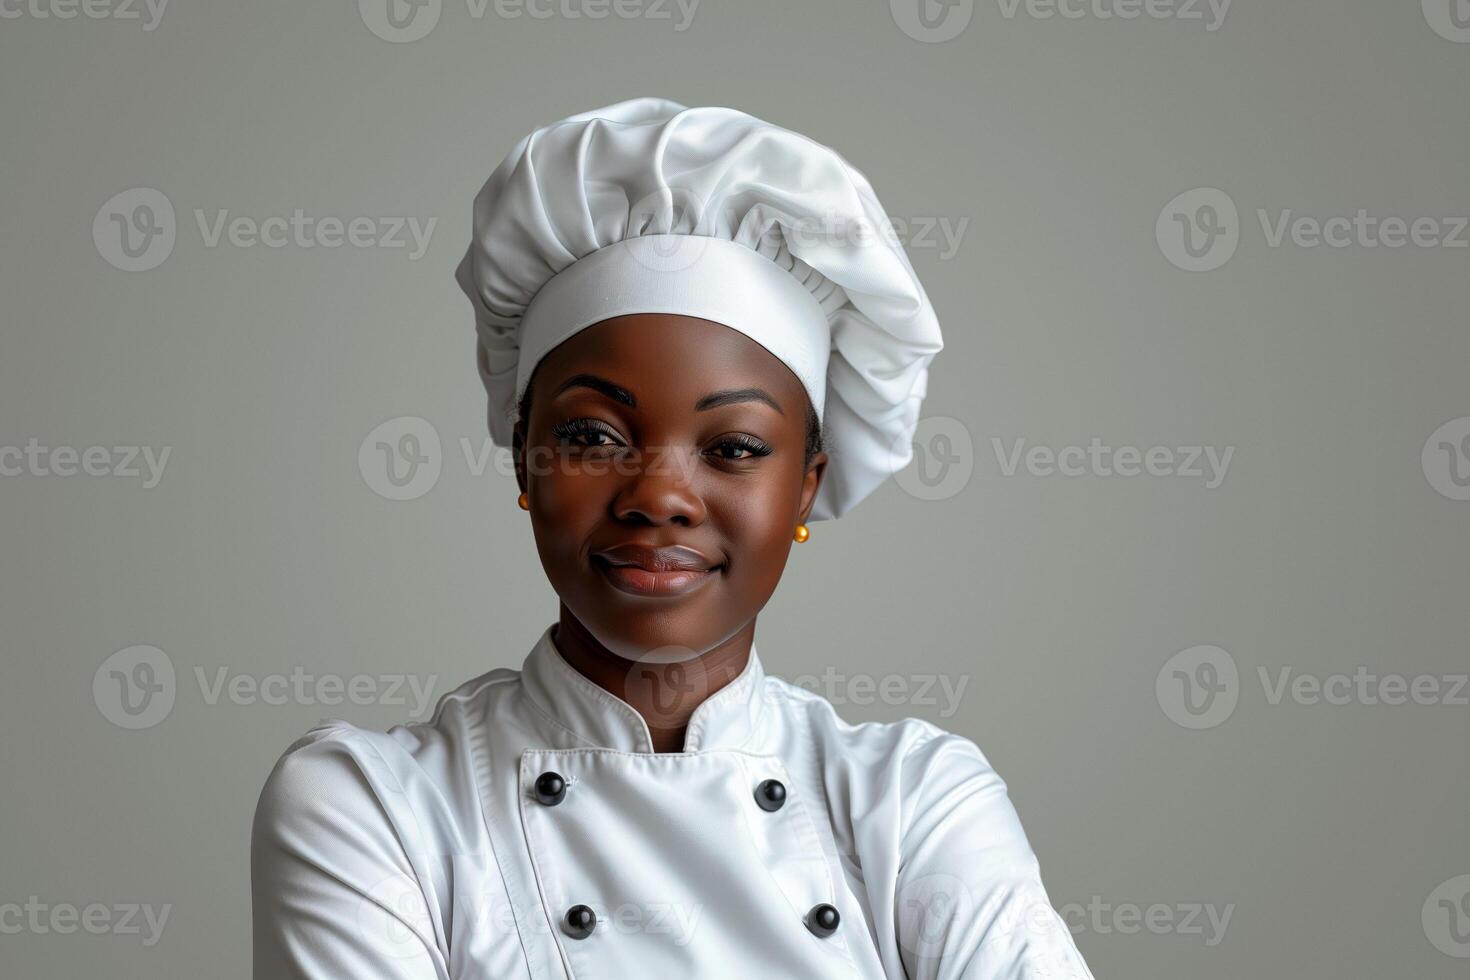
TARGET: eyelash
(755,447)
(568,431)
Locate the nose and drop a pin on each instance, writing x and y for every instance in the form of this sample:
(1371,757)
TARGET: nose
(662,491)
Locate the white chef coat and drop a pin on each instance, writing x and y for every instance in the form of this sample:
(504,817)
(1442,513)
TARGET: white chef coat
(425,853)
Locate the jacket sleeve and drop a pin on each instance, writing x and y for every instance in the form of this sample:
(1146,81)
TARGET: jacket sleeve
(334,894)
(969,900)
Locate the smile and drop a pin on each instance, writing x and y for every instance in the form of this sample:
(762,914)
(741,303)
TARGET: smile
(642,570)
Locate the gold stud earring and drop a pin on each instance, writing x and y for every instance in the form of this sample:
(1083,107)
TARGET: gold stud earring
(802,533)
(524,501)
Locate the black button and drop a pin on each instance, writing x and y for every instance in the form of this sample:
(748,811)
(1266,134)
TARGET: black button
(581,920)
(551,789)
(822,920)
(770,795)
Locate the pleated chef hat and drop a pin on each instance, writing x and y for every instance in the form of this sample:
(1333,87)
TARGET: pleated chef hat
(648,206)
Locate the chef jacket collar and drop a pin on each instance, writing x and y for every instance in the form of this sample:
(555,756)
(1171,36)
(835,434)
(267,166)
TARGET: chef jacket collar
(728,718)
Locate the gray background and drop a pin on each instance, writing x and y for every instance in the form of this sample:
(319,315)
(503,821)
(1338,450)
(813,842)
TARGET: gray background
(1057,599)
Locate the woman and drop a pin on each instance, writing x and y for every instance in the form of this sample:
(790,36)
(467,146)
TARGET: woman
(697,335)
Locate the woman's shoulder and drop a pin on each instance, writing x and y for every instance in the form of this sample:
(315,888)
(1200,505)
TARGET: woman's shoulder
(413,773)
(912,741)
(926,773)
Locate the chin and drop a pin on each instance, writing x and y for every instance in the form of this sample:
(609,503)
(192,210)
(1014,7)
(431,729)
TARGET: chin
(666,635)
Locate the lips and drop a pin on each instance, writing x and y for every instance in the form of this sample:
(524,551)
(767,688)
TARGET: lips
(649,570)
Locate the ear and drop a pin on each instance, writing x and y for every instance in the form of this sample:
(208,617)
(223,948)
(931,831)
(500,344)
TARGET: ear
(811,481)
(518,453)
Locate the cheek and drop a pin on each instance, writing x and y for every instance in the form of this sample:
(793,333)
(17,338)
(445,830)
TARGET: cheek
(565,507)
(760,521)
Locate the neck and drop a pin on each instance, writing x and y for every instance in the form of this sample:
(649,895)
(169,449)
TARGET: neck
(665,694)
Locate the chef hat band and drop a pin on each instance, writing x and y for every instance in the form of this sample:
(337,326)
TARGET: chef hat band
(710,278)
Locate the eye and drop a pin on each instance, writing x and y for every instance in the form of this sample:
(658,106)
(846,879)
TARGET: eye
(585,434)
(740,446)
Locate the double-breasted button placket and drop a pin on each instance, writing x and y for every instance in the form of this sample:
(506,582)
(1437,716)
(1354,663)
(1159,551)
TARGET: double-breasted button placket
(580,920)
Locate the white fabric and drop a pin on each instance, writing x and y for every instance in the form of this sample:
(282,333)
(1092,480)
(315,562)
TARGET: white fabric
(422,854)
(710,278)
(651,167)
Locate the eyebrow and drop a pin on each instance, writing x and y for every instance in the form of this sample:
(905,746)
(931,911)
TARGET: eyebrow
(622,395)
(733,395)
(616,392)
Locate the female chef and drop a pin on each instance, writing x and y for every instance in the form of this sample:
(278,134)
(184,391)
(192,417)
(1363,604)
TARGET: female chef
(698,335)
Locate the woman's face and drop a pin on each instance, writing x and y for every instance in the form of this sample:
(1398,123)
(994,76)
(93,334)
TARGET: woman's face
(663,457)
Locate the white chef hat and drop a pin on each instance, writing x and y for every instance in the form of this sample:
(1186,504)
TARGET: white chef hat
(647,206)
